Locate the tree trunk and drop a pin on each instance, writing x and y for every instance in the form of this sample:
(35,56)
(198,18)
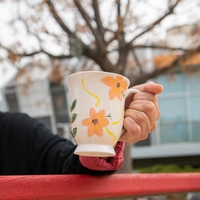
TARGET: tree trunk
(127,165)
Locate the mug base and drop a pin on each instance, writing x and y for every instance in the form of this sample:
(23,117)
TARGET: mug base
(95,150)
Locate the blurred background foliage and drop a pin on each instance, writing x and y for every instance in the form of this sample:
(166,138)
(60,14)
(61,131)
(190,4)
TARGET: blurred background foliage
(170,168)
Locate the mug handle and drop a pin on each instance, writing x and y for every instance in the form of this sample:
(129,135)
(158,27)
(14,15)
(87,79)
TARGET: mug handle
(129,91)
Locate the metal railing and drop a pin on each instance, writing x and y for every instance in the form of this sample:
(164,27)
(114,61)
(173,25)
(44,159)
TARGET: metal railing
(63,187)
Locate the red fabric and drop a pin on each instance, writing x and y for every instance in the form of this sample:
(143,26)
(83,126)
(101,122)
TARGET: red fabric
(113,163)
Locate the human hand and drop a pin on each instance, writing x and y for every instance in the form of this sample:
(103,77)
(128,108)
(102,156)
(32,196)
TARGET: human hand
(141,113)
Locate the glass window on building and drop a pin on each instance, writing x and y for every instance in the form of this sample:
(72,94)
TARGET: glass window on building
(46,121)
(180,111)
(194,83)
(172,83)
(173,120)
(194,86)
(11,98)
(195,116)
(59,103)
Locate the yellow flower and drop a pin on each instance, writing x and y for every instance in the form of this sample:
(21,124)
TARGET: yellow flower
(96,122)
(117,86)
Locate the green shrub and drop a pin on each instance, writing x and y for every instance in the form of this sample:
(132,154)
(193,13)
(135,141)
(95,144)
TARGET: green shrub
(167,169)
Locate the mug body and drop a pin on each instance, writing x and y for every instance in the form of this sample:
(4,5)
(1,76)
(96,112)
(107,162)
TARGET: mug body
(96,111)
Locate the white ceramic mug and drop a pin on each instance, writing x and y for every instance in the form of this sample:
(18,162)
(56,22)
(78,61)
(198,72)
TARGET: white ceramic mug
(97,102)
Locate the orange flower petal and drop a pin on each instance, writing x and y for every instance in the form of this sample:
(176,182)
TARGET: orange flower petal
(119,96)
(119,79)
(123,83)
(100,114)
(113,93)
(104,122)
(109,81)
(91,131)
(124,86)
(87,122)
(97,129)
(93,113)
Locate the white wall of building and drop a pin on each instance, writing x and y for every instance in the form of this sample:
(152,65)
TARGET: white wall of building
(35,100)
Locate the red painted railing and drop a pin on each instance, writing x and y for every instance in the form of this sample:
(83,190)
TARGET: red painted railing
(63,187)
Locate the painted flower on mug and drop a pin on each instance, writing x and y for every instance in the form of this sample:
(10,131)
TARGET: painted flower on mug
(117,86)
(96,122)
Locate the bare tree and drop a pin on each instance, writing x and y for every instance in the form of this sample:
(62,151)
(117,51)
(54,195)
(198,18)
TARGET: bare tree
(109,34)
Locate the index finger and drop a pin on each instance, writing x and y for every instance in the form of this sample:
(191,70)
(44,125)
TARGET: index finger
(150,87)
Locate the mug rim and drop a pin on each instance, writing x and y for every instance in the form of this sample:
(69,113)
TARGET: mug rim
(99,72)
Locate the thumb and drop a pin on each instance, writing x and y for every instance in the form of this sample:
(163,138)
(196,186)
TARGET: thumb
(150,87)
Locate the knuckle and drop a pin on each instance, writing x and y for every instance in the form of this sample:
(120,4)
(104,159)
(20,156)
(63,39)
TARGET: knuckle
(141,118)
(135,136)
(149,106)
(137,130)
(128,112)
(144,137)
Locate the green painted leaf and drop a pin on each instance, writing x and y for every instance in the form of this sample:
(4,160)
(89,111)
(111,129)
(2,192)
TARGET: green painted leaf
(73,105)
(74,117)
(74,132)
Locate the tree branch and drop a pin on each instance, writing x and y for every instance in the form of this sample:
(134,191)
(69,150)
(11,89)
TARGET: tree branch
(123,51)
(62,56)
(102,61)
(122,18)
(160,47)
(137,62)
(174,65)
(25,54)
(97,37)
(170,11)
(127,11)
(98,17)
(111,39)
(58,19)
(143,46)
(120,23)
(31,33)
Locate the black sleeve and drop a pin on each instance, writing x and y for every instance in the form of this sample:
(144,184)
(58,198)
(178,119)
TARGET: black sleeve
(28,147)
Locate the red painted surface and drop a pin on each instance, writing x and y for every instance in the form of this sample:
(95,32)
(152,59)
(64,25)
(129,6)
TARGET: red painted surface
(63,187)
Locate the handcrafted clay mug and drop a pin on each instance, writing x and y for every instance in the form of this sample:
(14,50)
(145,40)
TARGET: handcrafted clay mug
(97,102)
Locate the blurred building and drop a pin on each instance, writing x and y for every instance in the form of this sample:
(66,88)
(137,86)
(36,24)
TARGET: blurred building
(32,92)
(177,137)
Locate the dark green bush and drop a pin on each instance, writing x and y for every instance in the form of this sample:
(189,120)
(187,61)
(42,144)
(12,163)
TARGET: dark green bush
(167,169)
